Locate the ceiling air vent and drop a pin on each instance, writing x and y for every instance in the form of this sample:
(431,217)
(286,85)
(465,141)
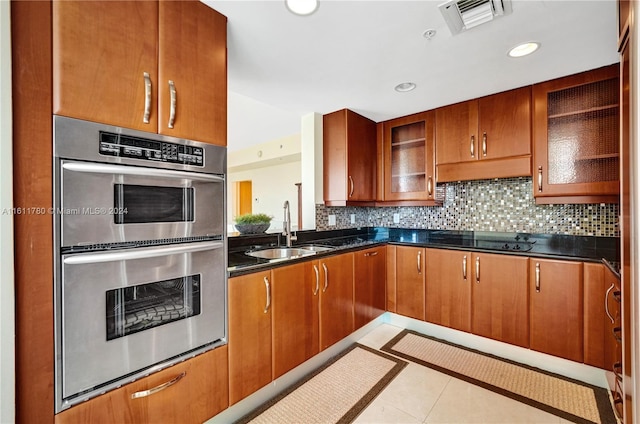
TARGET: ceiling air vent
(461,15)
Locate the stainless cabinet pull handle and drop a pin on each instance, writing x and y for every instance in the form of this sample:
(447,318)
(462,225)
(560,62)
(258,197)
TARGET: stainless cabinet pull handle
(540,179)
(419,262)
(484,144)
(351,186)
(147,97)
(537,277)
(430,186)
(477,269)
(371,254)
(145,393)
(326,278)
(267,286)
(464,267)
(315,268)
(606,302)
(174,100)
(473,145)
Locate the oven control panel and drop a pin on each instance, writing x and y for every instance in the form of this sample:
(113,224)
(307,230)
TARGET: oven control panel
(122,145)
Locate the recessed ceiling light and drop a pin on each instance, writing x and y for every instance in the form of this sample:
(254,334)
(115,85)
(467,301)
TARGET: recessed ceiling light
(524,49)
(302,7)
(405,86)
(429,34)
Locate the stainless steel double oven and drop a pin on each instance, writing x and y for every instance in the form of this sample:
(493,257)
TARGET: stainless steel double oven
(140,254)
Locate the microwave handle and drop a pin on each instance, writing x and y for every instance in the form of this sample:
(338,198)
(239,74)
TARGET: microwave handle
(99,168)
(140,253)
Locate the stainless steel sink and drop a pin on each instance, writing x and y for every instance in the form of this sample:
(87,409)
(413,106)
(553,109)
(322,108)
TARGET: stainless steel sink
(317,248)
(281,253)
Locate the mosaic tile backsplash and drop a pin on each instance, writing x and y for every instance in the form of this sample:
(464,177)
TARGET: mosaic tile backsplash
(504,205)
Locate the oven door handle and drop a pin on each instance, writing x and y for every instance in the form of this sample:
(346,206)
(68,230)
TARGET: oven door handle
(99,168)
(141,253)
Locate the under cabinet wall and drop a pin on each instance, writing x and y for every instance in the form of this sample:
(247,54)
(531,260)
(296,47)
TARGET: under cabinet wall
(505,205)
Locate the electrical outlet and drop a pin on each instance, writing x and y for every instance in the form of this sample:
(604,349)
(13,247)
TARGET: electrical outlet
(353,218)
(396,218)
(332,220)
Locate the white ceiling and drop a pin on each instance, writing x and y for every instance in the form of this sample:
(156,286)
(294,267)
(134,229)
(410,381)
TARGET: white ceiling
(350,54)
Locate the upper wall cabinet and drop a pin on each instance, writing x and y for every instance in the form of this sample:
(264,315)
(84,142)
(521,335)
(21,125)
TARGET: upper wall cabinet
(576,138)
(152,66)
(485,138)
(408,155)
(349,148)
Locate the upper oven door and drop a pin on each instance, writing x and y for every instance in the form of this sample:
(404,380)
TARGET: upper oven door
(109,203)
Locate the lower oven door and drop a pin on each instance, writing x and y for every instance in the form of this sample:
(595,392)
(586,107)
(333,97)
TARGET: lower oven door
(128,310)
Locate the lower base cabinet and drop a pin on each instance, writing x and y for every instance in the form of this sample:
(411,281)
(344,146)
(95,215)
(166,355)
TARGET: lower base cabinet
(295,331)
(336,298)
(556,308)
(499,297)
(249,303)
(199,395)
(448,288)
(409,281)
(369,285)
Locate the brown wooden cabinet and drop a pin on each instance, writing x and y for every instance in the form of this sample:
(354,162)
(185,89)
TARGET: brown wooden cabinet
(336,298)
(409,281)
(295,323)
(556,308)
(250,316)
(448,288)
(576,138)
(369,285)
(409,159)
(484,138)
(499,297)
(162,54)
(349,149)
(199,391)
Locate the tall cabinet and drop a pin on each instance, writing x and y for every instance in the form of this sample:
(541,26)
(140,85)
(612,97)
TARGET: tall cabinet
(127,66)
(88,60)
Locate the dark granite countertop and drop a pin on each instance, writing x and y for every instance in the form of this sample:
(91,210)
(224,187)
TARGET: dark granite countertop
(553,246)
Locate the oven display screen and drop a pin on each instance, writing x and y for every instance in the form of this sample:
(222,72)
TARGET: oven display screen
(139,204)
(142,307)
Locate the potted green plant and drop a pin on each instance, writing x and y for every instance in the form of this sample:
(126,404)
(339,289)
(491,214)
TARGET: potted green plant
(253,223)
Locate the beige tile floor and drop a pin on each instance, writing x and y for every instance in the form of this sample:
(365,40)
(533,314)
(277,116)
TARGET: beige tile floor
(422,395)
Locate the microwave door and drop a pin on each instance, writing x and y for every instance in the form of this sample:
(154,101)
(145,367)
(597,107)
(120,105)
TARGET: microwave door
(105,204)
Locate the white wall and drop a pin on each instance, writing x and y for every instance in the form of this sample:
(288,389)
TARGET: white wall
(7,330)
(271,186)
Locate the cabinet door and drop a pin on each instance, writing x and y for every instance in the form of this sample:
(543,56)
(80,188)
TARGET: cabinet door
(448,288)
(409,158)
(192,54)
(556,299)
(249,334)
(457,133)
(369,285)
(410,272)
(350,154)
(295,326)
(576,137)
(504,124)
(199,390)
(100,56)
(336,298)
(499,298)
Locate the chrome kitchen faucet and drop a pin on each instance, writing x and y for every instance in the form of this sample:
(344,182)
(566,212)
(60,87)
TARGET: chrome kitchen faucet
(286,224)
